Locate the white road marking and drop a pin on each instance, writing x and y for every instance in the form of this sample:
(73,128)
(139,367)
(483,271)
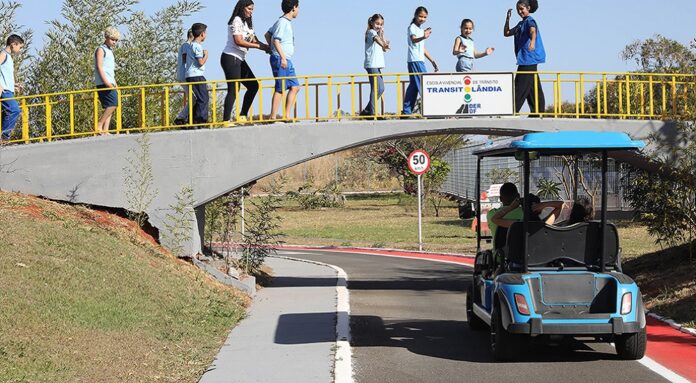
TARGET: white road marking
(662,371)
(343,358)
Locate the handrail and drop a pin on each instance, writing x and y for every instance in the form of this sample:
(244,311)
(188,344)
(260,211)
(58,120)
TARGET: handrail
(150,107)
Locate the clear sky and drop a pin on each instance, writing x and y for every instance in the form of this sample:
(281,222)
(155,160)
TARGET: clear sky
(579,35)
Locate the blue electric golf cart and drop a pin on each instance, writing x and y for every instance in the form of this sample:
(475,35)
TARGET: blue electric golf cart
(556,281)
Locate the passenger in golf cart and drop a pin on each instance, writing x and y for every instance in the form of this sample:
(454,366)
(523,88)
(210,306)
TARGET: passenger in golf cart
(544,280)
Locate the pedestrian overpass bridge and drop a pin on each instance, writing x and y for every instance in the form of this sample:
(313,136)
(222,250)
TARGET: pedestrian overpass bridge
(56,152)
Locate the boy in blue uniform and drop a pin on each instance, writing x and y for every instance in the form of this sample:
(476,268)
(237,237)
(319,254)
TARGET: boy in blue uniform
(183,115)
(8,87)
(282,41)
(196,57)
(105,78)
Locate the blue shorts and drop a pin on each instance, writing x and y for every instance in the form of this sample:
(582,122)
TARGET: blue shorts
(280,72)
(108,97)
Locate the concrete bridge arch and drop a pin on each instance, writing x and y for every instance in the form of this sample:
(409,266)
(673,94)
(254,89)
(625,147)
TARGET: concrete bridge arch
(216,161)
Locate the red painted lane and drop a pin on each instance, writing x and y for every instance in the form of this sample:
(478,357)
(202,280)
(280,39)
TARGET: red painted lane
(667,346)
(672,348)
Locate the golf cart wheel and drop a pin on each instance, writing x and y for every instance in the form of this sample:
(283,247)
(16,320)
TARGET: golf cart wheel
(505,346)
(631,346)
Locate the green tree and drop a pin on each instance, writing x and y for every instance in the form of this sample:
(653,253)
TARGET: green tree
(394,155)
(666,199)
(262,230)
(66,61)
(547,189)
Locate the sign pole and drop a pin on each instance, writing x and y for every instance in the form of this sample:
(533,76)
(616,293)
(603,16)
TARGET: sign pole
(419,163)
(420,216)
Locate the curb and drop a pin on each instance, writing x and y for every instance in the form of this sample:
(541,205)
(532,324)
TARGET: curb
(673,324)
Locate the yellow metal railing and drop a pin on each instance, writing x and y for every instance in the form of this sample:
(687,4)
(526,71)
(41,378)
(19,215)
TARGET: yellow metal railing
(75,114)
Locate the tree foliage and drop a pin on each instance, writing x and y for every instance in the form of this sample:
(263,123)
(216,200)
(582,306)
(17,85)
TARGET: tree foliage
(666,200)
(394,155)
(146,54)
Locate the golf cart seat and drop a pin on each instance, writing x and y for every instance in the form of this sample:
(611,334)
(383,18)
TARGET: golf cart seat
(574,245)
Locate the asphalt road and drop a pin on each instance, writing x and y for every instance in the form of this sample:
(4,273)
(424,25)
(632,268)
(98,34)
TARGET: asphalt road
(408,324)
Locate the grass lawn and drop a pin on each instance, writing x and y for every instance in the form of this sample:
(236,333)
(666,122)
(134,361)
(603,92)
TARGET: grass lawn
(86,297)
(667,278)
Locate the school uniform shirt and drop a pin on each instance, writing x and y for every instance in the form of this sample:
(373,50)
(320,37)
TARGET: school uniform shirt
(194,52)
(522,39)
(282,31)
(181,62)
(374,54)
(416,52)
(108,64)
(238,28)
(7,79)
(467,42)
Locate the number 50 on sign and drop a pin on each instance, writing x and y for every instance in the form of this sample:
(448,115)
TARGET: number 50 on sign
(418,162)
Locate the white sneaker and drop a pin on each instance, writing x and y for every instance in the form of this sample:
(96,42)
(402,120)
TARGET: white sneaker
(242,119)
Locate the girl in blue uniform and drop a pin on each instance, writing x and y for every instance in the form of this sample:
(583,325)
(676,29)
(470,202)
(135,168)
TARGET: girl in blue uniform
(529,49)
(416,58)
(375,46)
(465,50)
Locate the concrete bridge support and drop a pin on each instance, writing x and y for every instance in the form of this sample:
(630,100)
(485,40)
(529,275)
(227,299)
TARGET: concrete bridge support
(214,162)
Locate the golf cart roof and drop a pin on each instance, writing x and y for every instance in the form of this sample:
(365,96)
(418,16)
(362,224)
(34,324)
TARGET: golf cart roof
(568,142)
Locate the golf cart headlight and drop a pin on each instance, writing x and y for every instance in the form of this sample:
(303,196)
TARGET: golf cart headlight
(626,303)
(522,306)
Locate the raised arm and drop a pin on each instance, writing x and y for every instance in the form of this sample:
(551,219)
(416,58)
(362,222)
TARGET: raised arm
(506,30)
(498,217)
(489,51)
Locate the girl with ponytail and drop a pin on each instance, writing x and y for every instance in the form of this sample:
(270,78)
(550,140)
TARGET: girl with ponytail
(529,49)
(375,46)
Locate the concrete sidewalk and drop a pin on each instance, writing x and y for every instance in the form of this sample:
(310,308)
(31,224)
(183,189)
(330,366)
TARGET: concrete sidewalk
(289,334)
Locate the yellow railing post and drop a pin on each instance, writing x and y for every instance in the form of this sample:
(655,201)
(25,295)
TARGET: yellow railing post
(599,99)
(557,97)
(621,105)
(674,96)
(237,109)
(119,111)
(190,103)
(282,102)
(628,95)
(577,103)
(25,121)
(306,97)
(582,93)
(606,94)
(330,95)
(96,112)
(49,118)
(143,110)
(260,100)
(71,103)
(652,95)
(213,91)
(398,95)
(536,92)
(642,99)
(167,117)
(352,95)
(338,101)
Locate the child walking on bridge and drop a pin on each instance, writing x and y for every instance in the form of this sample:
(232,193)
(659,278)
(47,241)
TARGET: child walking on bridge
(281,39)
(416,58)
(105,78)
(196,57)
(375,46)
(8,87)
(465,50)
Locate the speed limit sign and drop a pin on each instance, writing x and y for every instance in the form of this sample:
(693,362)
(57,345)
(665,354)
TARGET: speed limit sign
(418,162)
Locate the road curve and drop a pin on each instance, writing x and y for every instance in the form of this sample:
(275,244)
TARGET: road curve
(408,323)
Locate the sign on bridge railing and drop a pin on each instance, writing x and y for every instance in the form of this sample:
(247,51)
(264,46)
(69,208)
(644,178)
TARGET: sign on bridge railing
(468,94)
